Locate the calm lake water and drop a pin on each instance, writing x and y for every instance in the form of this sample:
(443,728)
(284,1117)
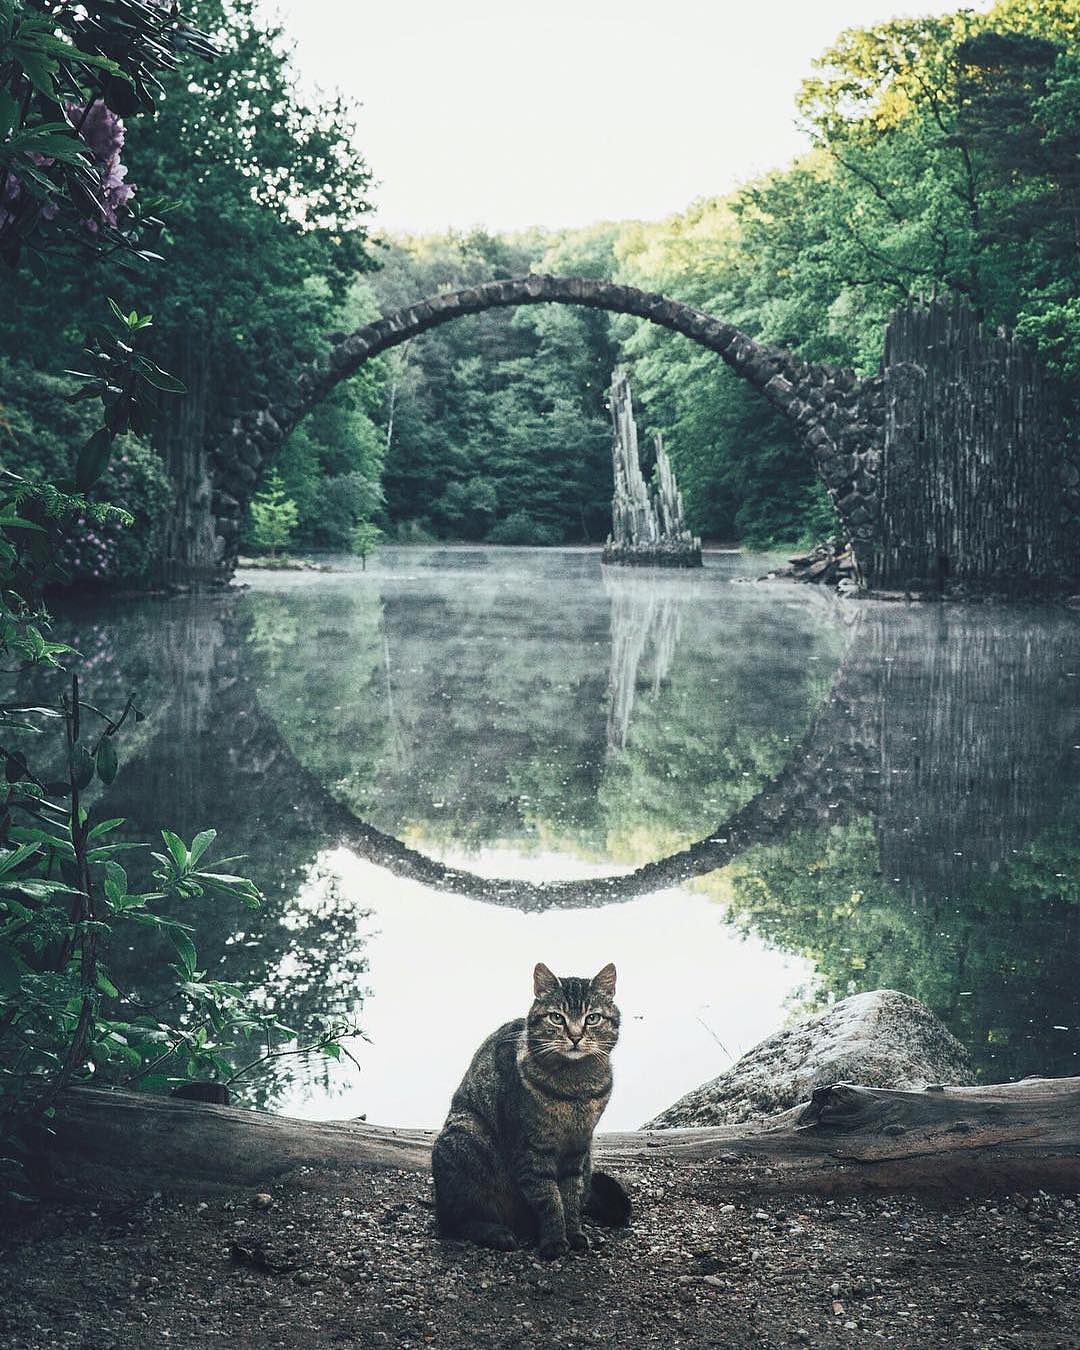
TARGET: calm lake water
(751,797)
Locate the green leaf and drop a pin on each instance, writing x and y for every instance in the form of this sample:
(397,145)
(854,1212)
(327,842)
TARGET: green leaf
(115,884)
(105,851)
(186,950)
(33,834)
(82,765)
(239,888)
(40,890)
(200,844)
(176,847)
(143,916)
(107,761)
(58,46)
(93,459)
(92,389)
(106,985)
(9,861)
(105,827)
(64,149)
(39,70)
(160,379)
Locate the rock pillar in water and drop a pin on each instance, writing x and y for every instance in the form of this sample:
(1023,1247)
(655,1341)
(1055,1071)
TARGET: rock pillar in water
(648,527)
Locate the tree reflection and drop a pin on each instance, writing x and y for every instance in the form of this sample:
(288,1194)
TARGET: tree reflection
(456,719)
(996,961)
(961,882)
(905,818)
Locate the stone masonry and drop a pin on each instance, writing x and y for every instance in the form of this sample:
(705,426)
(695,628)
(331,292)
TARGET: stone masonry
(863,435)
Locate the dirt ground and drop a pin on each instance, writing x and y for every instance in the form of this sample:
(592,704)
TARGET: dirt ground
(353,1260)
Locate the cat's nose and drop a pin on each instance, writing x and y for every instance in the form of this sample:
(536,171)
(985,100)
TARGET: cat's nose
(577,1040)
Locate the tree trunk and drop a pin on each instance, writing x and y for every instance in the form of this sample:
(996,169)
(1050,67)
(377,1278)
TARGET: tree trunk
(983,1139)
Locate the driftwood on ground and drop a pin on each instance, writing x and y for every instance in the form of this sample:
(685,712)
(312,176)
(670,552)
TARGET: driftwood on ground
(980,1139)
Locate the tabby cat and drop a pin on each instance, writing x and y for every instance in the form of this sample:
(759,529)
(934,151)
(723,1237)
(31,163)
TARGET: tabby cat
(513,1161)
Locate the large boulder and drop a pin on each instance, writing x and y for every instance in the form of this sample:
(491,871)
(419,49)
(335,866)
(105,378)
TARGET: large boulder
(881,1039)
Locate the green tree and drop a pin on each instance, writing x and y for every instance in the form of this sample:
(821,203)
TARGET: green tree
(332,463)
(63,894)
(267,197)
(365,540)
(273,516)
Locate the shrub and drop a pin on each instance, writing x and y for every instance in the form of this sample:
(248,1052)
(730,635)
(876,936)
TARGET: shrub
(40,435)
(345,501)
(415,531)
(521,528)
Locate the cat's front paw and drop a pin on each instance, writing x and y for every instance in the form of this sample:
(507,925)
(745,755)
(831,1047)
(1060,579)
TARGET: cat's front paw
(579,1242)
(552,1248)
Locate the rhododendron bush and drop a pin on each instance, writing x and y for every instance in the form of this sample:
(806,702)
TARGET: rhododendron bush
(69,75)
(39,425)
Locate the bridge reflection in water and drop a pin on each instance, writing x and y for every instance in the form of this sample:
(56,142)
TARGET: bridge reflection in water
(918,832)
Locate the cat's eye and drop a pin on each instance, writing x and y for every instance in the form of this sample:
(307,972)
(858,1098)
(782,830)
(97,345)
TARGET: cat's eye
(557,1018)
(593,1019)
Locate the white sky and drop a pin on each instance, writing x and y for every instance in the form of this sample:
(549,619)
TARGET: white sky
(498,113)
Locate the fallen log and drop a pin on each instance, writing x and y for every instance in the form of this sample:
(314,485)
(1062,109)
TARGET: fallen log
(1011,1136)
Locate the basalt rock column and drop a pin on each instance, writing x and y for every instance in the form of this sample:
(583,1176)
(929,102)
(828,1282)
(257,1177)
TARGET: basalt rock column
(647,524)
(978,487)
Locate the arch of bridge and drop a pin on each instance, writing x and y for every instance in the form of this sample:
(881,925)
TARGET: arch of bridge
(837,416)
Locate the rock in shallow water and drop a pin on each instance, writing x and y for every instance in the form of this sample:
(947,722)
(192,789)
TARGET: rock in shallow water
(881,1039)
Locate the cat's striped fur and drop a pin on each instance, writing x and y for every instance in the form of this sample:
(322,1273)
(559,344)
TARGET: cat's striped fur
(513,1161)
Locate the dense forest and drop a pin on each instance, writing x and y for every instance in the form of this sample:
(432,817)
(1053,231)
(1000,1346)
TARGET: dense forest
(945,158)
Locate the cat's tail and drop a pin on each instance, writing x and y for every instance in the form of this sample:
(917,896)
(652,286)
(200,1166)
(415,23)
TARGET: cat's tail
(607,1202)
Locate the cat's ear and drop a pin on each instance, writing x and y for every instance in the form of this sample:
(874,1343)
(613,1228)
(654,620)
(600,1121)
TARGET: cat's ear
(543,981)
(604,981)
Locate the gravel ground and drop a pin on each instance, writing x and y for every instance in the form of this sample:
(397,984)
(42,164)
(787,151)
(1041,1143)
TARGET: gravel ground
(353,1260)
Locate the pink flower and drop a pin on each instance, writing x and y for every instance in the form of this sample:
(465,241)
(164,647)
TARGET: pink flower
(10,196)
(103,133)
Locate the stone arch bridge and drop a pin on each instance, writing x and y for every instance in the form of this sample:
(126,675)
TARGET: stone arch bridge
(946,466)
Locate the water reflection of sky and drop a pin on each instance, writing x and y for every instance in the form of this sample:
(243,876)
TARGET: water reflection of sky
(446,970)
(541,720)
